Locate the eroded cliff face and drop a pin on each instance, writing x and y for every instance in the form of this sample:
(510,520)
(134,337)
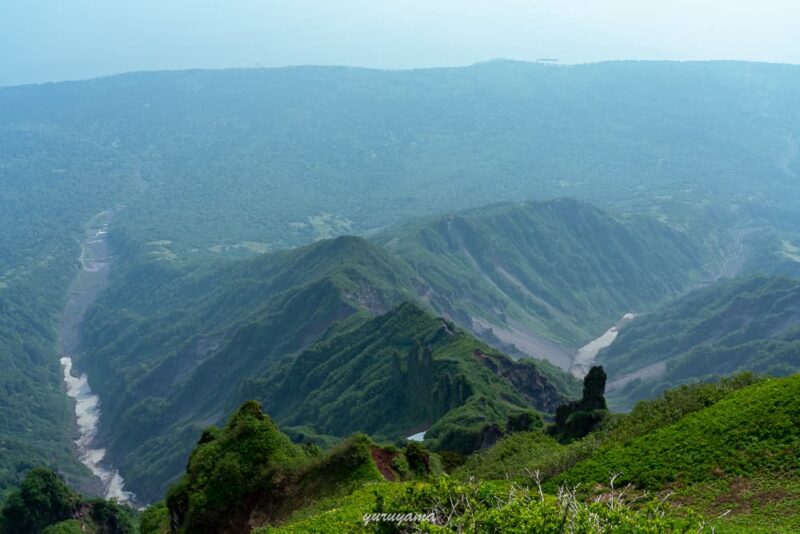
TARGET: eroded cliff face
(529,381)
(433,388)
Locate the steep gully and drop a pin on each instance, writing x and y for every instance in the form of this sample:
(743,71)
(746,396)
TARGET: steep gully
(92,277)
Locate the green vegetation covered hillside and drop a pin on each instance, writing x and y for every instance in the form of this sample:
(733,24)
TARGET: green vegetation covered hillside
(171,345)
(405,372)
(167,348)
(753,431)
(714,456)
(172,348)
(730,326)
(249,473)
(36,419)
(528,276)
(706,458)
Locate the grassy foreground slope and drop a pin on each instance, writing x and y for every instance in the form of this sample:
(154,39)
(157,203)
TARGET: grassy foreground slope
(451,506)
(730,326)
(751,431)
(739,458)
(518,456)
(721,456)
(705,458)
(250,475)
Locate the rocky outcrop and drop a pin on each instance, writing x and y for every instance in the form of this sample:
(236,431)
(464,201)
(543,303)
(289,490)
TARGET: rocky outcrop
(526,378)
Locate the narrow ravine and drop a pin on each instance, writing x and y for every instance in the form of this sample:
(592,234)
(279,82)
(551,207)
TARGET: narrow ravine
(91,279)
(584,359)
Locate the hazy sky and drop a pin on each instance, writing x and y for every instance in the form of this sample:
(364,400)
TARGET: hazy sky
(44,40)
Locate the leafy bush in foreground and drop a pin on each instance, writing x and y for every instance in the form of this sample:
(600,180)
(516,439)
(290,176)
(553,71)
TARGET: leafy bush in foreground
(44,503)
(250,454)
(42,499)
(507,507)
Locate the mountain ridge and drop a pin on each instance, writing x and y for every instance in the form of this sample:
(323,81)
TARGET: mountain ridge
(544,274)
(248,318)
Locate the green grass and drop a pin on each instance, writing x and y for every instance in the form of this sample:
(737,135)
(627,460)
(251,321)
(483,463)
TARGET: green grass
(751,431)
(759,504)
(71,526)
(341,514)
(483,507)
(519,456)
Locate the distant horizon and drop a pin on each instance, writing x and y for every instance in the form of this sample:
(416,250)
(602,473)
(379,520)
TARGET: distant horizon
(51,40)
(553,62)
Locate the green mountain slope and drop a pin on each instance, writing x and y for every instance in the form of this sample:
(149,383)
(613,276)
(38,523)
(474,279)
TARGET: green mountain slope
(537,275)
(36,418)
(718,457)
(175,345)
(518,455)
(224,163)
(173,349)
(167,347)
(402,372)
(729,326)
(727,452)
(249,473)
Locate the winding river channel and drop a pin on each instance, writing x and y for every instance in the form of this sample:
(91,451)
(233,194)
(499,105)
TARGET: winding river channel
(585,357)
(91,279)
